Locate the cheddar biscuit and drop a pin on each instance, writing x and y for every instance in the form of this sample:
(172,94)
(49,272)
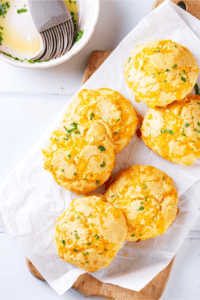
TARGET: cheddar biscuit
(148,199)
(173,132)
(111,107)
(80,156)
(160,72)
(90,233)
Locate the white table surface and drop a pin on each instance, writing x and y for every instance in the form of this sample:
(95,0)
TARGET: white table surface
(29,101)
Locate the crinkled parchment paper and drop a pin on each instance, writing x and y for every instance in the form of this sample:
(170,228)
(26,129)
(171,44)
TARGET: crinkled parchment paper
(30,200)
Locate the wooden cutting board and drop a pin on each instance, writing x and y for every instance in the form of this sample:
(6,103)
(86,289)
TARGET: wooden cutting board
(87,285)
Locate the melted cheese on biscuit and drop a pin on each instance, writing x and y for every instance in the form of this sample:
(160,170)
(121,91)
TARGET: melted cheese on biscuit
(90,232)
(111,107)
(159,72)
(173,132)
(148,199)
(80,156)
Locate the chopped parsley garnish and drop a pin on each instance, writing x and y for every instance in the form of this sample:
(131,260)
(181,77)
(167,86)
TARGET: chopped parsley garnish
(144,185)
(174,66)
(106,249)
(116,132)
(129,60)
(85,179)
(187,124)
(77,132)
(112,196)
(132,235)
(101,148)
(92,116)
(103,164)
(184,71)
(164,80)
(90,215)
(63,241)
(97,237)
(141,208)
(140,234)
(145,199)
(97,182)
(89,244)
(196,87)
(75,250)
(158,50)
(4,9)
(69,156)
(170,131)
(74,174)
(159,72)
(78,217)
(87,262)
(79,35)
(86,253)
(198,123)
(19,11)
(183,79)
(167,70)
(118,120)
(183,133)
(62,170)
(175,46)
(163,178)
(76,236)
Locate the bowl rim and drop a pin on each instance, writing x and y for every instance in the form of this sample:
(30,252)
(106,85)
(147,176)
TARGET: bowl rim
(62,59)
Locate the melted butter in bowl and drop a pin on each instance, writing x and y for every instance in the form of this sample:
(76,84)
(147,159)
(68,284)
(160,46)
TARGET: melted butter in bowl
(20,36)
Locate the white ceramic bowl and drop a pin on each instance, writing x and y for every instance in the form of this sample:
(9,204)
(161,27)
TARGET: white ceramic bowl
(89,12)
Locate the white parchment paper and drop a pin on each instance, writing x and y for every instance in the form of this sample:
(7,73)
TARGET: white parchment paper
(30,200)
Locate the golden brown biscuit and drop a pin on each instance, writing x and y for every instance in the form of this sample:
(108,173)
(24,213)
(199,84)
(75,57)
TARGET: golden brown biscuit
(80,156)
(90,233)
(160,72)
(173,131)
(111,107)
(148,199)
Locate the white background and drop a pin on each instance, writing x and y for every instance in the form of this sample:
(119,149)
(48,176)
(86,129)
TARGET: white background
(25,116)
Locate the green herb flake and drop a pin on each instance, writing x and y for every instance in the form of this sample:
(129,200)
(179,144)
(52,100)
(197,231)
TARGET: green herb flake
(75,250)
(63,241)
(62,170)
(132,235)
(19,11)
(77,132)
(196,87)
(163,178)
(78,217)
(89,244)
(74,174)
(129,60)
(69,156)
(118,120)
(175,46)
(85,179)
(87,262)
(101,148)
(97,182)
(103,164)
(167,70)
(79,36)
(86,253)
(174,66)
(164,80)
(145,199)
(170,131)
(184,71)
(183,79)
(145,186)
(187,125)
(141,208)
(92,116)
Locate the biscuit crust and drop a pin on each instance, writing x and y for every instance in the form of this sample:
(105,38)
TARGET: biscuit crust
(173,132)
(111,107)
(90,233)
(160,72)
(80,156)
(147,198)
